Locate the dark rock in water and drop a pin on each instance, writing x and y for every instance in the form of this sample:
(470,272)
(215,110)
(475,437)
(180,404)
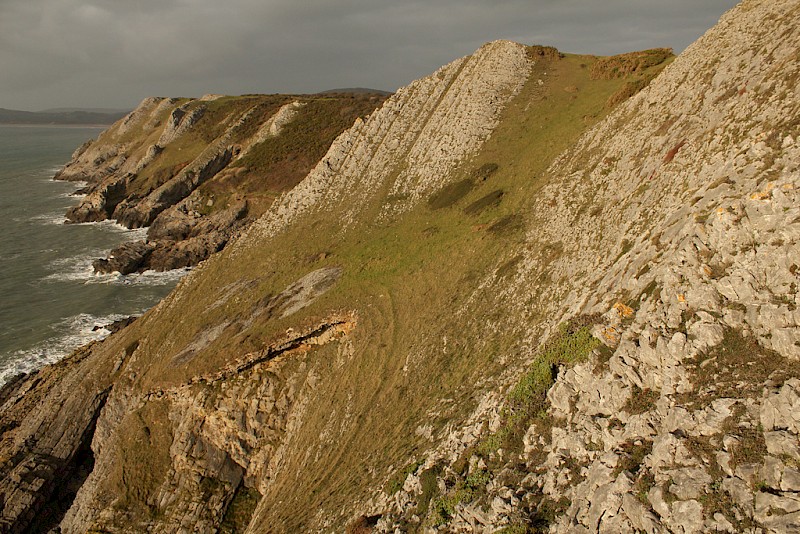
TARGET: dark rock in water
(178,238)
(116,326)
(126,259)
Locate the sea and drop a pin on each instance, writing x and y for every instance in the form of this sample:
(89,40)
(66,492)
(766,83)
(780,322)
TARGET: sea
(51,301)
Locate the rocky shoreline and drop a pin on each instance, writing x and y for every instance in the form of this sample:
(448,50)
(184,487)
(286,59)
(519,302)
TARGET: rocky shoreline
(177,166)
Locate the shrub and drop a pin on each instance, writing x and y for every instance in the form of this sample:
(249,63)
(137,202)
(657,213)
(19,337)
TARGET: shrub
(450,194)
(485,202)
(622,65)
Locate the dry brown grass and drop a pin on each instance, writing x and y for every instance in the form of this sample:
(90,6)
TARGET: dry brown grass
(623,65)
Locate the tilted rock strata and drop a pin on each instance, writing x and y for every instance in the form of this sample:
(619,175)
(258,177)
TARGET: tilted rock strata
(95,160)
(46,451)
(226,431)
(413,142)
(135,176)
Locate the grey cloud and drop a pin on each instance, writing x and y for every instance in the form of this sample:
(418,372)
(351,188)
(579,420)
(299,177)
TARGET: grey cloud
(112,53)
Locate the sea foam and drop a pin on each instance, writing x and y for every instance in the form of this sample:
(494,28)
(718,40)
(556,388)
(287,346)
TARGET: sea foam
(70,334)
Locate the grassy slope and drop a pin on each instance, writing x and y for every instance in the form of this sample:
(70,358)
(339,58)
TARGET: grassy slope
(414,283)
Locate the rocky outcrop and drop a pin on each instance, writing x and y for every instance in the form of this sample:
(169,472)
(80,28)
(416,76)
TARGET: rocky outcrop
(143,213)
(47,453)
(180,120)
(106,156)
(177,241)
(125,259)
(157,159)
(100,202)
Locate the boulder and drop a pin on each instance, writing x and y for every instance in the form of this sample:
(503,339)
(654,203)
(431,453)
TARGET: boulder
(126,259)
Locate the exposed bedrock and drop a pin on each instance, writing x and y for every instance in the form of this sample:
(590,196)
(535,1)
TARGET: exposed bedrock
(100,201)
(143,213)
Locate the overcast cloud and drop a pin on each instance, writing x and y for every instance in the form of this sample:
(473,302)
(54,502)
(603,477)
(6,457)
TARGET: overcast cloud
(113,53)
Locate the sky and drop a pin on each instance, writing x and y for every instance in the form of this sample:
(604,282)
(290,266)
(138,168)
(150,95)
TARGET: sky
(114,53)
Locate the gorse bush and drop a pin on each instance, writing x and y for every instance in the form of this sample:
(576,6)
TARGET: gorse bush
(465,490)
(622,65)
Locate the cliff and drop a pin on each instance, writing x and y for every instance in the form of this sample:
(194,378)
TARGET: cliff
(530,292)
(197,171)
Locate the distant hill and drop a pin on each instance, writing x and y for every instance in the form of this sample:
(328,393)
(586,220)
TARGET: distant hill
(66,117)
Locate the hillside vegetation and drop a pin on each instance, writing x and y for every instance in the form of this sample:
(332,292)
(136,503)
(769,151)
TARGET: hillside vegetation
(531,292)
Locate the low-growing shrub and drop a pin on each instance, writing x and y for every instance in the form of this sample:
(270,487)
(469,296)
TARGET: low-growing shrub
(622,65)
(488,201)
(450,194)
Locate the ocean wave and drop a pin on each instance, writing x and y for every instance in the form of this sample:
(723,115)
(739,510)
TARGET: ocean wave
(72,195)
(157,278)
(75,268)
(110,225)
(53,218)
(70,334)
(51,171)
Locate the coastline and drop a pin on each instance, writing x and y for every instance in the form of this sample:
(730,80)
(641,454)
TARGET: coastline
(52,300)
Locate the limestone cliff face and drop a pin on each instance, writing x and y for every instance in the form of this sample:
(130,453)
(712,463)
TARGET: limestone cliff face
(437,330)
(412,143)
